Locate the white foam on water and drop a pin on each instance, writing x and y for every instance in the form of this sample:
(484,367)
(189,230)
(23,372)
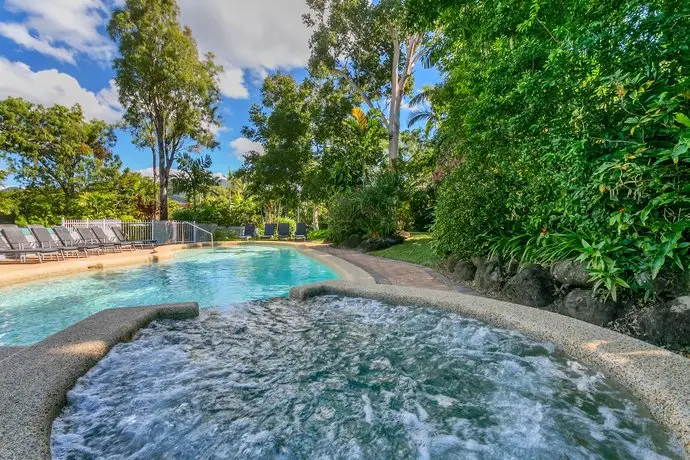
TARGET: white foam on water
(368,410)
(347,378)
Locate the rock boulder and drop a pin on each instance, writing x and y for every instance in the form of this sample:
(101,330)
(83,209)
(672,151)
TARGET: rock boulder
(488,275)
(669,324)
(582,304)
(379,243)
(352,242)
(450,262)
(464,271)
(571,272)
(533,286)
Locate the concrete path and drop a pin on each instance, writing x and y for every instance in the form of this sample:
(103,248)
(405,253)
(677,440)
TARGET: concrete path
(395,272)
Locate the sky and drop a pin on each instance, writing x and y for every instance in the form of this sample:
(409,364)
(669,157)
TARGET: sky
(58,52)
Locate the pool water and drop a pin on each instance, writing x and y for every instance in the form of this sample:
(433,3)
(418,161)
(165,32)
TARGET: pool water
(348,378)
(213,277)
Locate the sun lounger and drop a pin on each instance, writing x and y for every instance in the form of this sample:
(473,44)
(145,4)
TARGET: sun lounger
(283,231)
(269,231)
(16,240)
(89,237)
(16,254)
(103,238)
(68,241)
(249,231)
(301,231)
(43,237)
(119,234)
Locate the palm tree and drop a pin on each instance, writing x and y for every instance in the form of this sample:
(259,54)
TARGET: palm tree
(423,105)
(194,177)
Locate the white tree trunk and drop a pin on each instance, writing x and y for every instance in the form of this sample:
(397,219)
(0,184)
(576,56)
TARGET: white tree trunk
(315,219)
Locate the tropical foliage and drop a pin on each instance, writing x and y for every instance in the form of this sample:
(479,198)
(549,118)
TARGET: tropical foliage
(564,132)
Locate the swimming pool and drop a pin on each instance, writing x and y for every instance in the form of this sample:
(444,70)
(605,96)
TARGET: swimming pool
(335,377)
(212,277)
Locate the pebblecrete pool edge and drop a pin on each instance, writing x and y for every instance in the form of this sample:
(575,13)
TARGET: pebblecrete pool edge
(660,379)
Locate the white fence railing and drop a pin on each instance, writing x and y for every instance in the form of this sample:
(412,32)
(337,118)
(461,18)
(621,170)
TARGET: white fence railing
(163,232)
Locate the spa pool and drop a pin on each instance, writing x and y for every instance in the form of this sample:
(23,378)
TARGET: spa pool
(335,377)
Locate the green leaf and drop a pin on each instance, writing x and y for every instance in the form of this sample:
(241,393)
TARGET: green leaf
(683,119)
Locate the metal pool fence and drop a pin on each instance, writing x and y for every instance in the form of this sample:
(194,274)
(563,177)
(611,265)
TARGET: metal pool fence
(164,232)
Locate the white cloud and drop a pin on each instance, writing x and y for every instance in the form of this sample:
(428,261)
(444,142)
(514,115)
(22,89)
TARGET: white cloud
(20,34)
(50,87)
(250,34)
(232,84)
(253,36)
(61,28)
(148,172)
(242,146)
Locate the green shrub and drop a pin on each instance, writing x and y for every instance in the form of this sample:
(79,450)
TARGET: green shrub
(370,210)
(224,234)
(322,234)
(344,216)
(563,139)
(471,205)
(379,204)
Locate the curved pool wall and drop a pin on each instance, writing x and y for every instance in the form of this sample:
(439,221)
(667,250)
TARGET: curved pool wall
(34,380)
(212,277)
(659,378)
(343,377)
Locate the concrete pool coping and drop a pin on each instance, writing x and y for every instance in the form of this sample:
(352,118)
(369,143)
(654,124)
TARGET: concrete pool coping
(659,378)
(34,380)
(14,273)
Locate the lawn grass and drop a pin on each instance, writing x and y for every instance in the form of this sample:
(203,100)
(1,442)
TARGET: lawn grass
(416,249)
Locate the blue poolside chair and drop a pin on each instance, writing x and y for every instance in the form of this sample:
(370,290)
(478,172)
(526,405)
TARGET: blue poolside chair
(43,237)
(301,231)
(249,232)
(120,235)
(89,237)
(269,231)
(103,238)
(68,241)
(17,241)
(283,231)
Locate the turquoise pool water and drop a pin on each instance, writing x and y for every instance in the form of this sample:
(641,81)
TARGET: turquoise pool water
(213,277)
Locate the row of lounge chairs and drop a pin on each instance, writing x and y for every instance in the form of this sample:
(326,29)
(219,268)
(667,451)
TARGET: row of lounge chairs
(270,232)
(15,245)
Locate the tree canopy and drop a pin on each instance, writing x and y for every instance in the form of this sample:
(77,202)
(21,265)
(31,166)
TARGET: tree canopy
(55,149)
(169,92)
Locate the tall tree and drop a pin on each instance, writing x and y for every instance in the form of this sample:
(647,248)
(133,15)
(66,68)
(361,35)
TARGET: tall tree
(54,149)
(282,125)
(194,177)
(369,46)
(170,93)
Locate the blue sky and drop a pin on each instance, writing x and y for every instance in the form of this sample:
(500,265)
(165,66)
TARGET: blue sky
(57,52)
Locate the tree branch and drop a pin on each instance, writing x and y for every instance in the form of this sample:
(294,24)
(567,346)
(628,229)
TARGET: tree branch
(360,91)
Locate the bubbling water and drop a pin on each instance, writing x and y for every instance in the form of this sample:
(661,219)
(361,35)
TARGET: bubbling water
(339,377)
